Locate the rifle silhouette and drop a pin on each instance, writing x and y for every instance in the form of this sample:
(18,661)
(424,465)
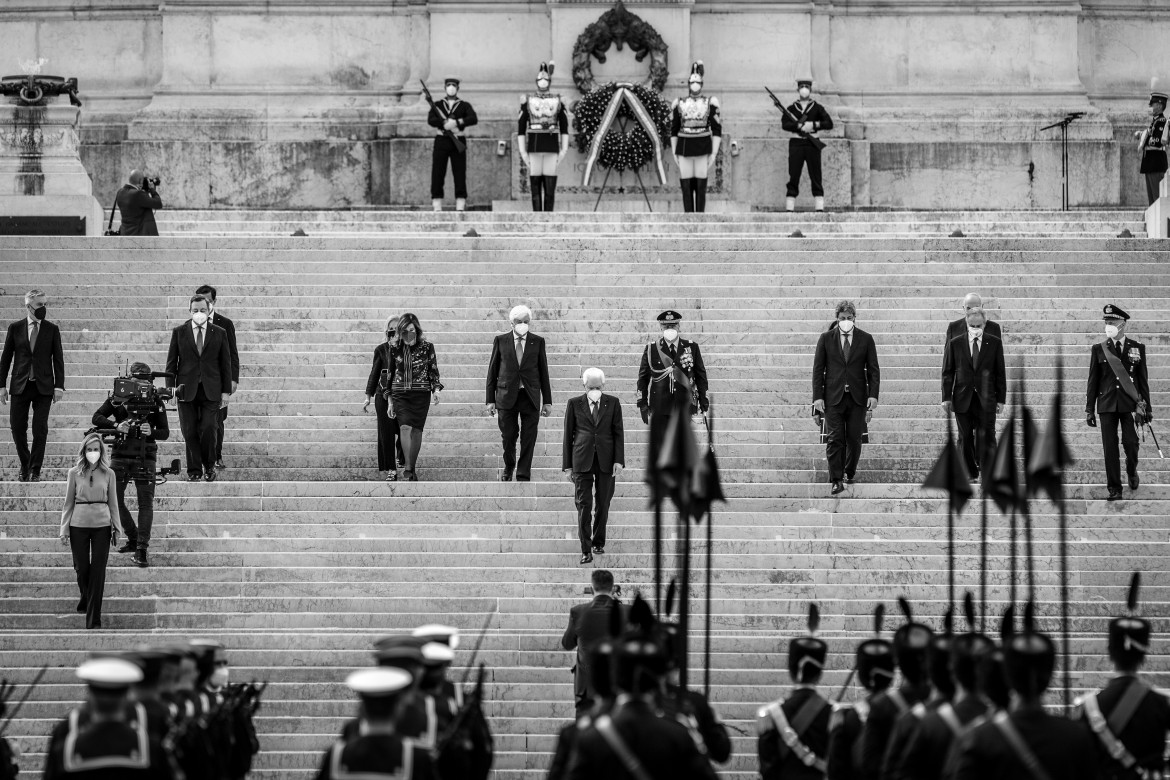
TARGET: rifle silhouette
(474,701)
(818,143)
(459,145)
(7,691)
(475,653)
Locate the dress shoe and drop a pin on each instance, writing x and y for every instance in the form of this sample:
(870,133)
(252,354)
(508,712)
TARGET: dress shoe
(23,477)
(586,558)
(523,479)
(838,486)
(848,479)
(506,477)
(194,477)
(82,606)
(219,464)
(599,551)
(95,625)
(1114,495)
(140,558)
(410,476)
(1134,482)
(391,476)
(35,477)
(130,546)
(210,476)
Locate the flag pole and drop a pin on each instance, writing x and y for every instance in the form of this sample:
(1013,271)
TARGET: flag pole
(707,606)
(1058,421)
(950,521)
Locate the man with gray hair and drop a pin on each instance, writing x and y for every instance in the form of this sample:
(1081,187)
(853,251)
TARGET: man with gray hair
(517,380)
(972,302)
(845,383)
(593,455)
(32,350)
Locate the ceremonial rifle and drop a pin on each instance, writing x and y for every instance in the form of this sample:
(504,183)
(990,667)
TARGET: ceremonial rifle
(475,653)
(818,143)
(459,145)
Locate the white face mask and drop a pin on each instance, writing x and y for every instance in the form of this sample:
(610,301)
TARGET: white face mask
(452,90)
(670,334)
(219,677)
(200,317)
(804,93)
(1111,331)
(696,87)
(521,328)
(542,84)
(845,326)
(93,457)
(594,395)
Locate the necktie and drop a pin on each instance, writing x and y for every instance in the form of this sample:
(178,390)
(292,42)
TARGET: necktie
(519,351)
(199,340)
(1117,347)
(975,351)
(848,345)
(32,338)
(594,407)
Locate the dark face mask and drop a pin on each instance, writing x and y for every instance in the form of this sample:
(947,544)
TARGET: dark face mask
(40,312)
(410,338)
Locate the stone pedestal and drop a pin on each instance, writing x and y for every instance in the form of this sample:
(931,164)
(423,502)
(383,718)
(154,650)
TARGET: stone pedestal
(41,174)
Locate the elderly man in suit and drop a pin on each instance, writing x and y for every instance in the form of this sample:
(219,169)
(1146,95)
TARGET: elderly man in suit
(972,302)
(32,350)
(593,456)
(199,361)
(974,386)
(589,624)
(846,379)
(517,380)
(216,318)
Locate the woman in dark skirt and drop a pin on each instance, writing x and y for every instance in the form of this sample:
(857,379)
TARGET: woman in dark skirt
(378,391)
(414,387)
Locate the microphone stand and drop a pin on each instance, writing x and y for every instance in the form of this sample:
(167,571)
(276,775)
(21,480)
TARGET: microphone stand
(1063,125)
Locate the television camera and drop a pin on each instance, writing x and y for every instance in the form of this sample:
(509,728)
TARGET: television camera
(140,397)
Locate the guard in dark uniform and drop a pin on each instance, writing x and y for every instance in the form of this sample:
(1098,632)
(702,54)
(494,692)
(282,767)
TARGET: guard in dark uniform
(696,129)
(658,389)
(377,751)
(601,683)
(911,649)
(108,738)
(1027,743)
(418,716)
(875,666)
(634,739)
(1118,390)
(690,707)
(811,117)
(450,117)
(942,689)
(542,137)
(1130,720)
(1153,142)
(148,691)
(435,672)
(793,732)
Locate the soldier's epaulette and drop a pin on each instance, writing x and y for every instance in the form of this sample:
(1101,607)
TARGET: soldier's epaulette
(674,104)
(764,721)
(714,101)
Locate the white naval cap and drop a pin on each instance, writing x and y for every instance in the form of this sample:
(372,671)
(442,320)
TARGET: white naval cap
(379,681)
(447,635)
(109,673)
(435,653)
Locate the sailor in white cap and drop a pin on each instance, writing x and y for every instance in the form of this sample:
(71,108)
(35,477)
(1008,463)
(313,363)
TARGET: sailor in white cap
(107,736)
(1153,141)
(435,632)
(377,750)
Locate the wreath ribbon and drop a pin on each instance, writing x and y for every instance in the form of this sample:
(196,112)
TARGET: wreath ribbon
(625,94)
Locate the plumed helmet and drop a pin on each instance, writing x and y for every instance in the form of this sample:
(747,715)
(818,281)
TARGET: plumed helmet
(939,658)
(806,654)
(546,71)
(697,71)
(1129,635)
(967,650)
(875,657)
(912,646)
(1157,91)
(1029,657)
(639,660)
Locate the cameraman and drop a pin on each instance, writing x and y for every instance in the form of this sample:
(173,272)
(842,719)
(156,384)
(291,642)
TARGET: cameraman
(125,460)
(137,201)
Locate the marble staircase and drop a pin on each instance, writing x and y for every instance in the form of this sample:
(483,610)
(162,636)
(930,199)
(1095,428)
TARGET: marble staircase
(300,557)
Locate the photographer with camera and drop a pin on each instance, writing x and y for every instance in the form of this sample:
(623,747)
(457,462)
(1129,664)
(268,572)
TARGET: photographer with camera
(136,416)
(137,201)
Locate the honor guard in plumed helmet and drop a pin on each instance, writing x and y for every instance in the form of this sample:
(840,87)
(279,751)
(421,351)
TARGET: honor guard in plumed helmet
(875,667)
(377,749)
(1128,717)
(601,684)
(942,688)
(875,661)
(696,131)
(1027,742)
(794,731)
(542,137)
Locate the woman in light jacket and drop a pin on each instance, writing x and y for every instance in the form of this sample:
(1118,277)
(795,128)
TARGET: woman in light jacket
(90,523)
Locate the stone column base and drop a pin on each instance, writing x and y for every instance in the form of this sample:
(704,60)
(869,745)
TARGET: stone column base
(85,206)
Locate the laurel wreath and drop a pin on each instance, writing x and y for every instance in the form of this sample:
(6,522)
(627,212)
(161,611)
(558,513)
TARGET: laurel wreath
(619,150)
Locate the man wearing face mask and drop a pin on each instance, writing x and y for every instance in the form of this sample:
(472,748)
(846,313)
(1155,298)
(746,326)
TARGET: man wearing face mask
(217,318)
(657,387)
(542,138)
(974,386)
(1119,391)
(199,362)
(450,117)
(32,350)
(846,380)
(593,455)
(517,382)
(973,301)
(1153,142)
(808,116)
(696,129)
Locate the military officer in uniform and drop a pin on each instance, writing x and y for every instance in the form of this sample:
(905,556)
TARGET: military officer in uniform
(875,665)
(1119,391)
(809,117)
(1128,717)
(793,732)
(1027,743)
(658,389)
(1153,142)
(542,138)
(450,117)
(107,738)
(148,691)
(378,750)
(696,129)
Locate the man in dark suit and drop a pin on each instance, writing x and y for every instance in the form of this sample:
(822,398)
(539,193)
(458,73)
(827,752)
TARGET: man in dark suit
(137,201)
(846,380)
(974,386)
(32,349)
(208,293)
(1118,390)
(589,624)
(972,302)
(517,380)
(593,455)
(199,361)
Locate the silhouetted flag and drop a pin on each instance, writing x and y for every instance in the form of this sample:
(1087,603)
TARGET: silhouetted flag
(950,474)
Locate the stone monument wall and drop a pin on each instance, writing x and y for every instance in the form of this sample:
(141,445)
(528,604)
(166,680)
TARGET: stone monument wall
(315,103)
